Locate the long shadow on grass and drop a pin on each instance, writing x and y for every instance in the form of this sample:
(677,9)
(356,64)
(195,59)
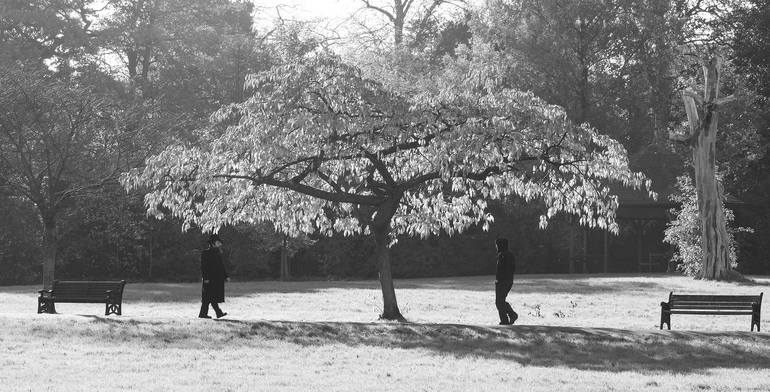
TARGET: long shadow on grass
(549,346)
(582,348)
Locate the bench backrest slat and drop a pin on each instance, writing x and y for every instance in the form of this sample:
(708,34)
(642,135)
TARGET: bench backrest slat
(87,289)
(715,298)
(712,306)
(713,302)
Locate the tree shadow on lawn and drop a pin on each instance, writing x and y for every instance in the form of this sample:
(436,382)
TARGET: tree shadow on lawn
(605,349)
(548,346)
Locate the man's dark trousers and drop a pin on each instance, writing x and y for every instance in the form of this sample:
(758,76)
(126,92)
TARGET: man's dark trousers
(504,309)
(205,308)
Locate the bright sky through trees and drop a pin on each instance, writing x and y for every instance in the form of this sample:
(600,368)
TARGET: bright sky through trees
(335,18)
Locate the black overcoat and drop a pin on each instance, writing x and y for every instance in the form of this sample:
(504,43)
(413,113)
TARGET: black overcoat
(506,262)
(213,270)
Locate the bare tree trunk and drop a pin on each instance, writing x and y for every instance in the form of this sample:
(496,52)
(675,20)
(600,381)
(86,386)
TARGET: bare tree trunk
(398,23)
(149,269)
(714,239)
(381,231)
(285,272)
(49,251)
(402,8)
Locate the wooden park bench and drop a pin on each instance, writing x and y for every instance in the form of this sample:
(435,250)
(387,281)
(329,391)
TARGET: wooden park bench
(711,304)
(108,292)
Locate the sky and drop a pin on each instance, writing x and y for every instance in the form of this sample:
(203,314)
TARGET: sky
(332,13)
(341,16)
(310,9)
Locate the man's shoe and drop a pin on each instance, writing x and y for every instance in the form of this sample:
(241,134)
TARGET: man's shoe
(222,315)
(203,316)
(505,323)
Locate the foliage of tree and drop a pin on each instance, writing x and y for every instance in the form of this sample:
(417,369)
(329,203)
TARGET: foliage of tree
(19,241)
(46,31)
(608,63)
(57,141)
(150,35)
(684,231)
(749,54)
(409,21)
(320,148)
(617,64)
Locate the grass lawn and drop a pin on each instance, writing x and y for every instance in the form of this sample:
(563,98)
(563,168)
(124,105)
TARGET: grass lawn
(575,333)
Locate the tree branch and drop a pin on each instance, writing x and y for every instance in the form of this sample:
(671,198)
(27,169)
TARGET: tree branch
(692,94)
(381,10)
(726,100)
(340,197)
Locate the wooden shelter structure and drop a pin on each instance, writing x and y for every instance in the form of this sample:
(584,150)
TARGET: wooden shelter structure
(638,247)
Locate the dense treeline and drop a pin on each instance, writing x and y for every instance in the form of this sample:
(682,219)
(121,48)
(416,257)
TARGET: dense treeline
(87,94)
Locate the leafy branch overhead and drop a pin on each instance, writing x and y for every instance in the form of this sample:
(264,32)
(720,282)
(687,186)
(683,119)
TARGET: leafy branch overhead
(320,147)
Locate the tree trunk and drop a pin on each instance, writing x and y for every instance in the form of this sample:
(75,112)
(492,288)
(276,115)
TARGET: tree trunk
(398,23)
(714,240)
(49,251)
(149,268)
(285,272)
(381,231)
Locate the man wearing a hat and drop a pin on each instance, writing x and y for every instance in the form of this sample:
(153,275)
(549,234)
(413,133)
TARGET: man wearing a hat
(214,276)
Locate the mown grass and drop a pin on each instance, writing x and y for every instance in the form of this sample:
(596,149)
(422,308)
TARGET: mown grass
(575,333)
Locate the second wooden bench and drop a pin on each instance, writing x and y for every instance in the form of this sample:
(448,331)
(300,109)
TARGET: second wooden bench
(750,305)
(110,293)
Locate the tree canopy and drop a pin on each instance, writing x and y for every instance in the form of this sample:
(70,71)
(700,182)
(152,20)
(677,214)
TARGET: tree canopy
(316,138)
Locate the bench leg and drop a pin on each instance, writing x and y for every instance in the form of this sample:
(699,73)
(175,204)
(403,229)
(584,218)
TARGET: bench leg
(755,318)
(665,315)
(46,305)
(112,308)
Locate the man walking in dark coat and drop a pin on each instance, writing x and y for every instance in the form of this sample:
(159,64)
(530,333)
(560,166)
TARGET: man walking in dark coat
(214,276)
(506,266)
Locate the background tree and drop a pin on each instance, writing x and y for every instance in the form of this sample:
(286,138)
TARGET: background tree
(415,16)
(608,63)
(702,116)
(57,141)
(52,32)
(684,231)
(749,55)
(318,147)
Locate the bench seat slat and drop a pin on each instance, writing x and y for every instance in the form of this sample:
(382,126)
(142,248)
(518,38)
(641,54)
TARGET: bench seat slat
(713,302)
(729,312)
(707,306)
(90,300)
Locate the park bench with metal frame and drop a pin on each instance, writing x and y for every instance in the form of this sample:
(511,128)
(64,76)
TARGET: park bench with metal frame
(711,305)
(108,292)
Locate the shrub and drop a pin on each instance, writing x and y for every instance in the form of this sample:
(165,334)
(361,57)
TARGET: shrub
(684,231)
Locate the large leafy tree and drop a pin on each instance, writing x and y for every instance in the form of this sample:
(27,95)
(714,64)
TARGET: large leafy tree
(320,148)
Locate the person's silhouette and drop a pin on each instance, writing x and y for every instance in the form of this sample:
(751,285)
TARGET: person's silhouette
(506,266)
(213,275)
